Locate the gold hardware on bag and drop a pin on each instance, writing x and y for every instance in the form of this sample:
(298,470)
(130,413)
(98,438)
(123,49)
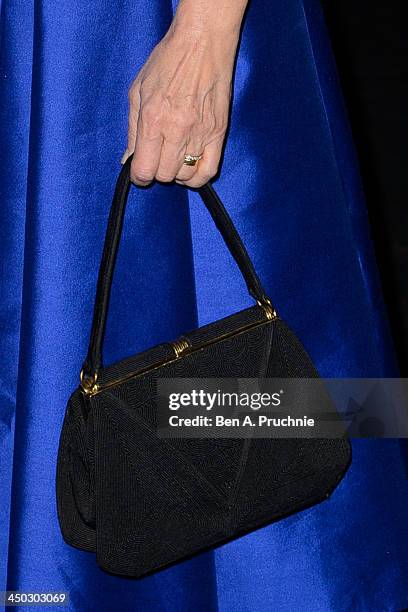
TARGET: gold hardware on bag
(180,346)
(88,383)
(268,309)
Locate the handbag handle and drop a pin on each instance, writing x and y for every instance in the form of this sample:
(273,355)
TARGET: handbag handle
(93,362)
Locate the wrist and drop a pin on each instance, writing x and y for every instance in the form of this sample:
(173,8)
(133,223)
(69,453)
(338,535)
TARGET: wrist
(209,19)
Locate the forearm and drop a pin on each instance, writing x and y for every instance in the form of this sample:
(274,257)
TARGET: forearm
(209,17)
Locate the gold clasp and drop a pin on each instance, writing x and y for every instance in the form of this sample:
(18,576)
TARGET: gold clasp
(88,383)
(180,346)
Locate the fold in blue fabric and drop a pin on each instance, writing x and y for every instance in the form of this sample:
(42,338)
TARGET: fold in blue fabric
(290,181)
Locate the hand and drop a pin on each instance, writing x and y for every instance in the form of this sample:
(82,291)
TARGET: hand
(179,104)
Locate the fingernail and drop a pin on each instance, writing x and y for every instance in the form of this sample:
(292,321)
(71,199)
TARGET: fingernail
(125,156)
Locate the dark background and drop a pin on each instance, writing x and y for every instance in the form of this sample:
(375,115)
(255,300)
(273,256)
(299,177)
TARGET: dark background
(370,44)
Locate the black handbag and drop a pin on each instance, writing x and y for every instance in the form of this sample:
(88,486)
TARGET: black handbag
(141,502)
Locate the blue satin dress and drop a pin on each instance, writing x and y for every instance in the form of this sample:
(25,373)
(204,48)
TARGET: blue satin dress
(290,182)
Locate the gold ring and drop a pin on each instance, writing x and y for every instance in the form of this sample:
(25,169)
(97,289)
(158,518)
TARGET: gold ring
(191,160)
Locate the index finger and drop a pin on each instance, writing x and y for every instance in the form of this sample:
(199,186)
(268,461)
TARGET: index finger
(146,156)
